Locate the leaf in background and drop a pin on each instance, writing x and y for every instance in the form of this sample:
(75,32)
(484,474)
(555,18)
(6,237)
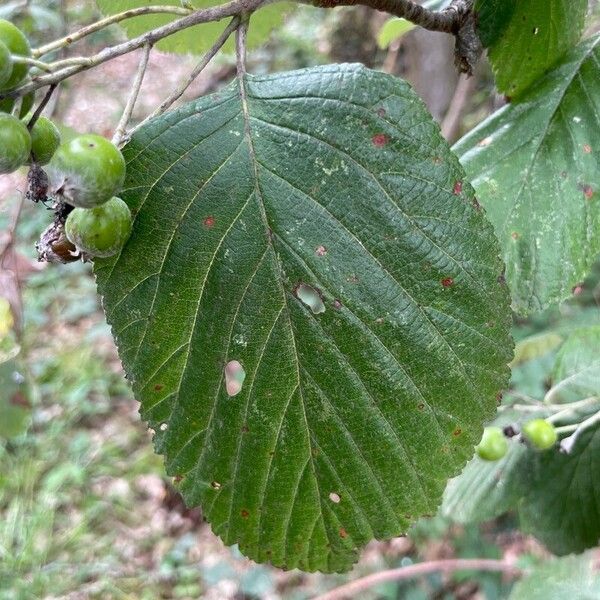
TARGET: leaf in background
(486,489)
(525,39)
(555,493)
(396,27)
(198,39)
(535,346)
(493,18)
(575,577)
(358,402)
(14,400)
(392,29)
(535,166)
(577,368)
(561,507)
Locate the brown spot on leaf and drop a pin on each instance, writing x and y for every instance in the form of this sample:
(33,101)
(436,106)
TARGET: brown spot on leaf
(337,304)
(19,399)
(380,139)
(588,191)
(158,387)
(245,514)
(420,406)
(245,429)
(514,235)
(343,533)
(381,111)
(457,432)
(476,204)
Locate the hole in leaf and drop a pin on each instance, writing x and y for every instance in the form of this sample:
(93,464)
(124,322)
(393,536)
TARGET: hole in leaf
(335,498)
(164,426)
(234,377)
(311,297)
(215,485)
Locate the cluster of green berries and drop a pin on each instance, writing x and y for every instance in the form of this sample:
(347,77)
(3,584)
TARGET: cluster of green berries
(537,432)
(85,172)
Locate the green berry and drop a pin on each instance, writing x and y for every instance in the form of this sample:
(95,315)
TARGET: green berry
(15,144)
(540,433)
(7,105)
(45,140)
(16,42)
(101,231)
(493,445)
(87,171)
(6,64)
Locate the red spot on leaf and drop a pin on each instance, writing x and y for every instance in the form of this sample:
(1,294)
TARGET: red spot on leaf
(578,289)
(209,222)
(447,282)
(587,148)
(514,235)
(458,188)
(321,251)
(588,191)
(380,139)
(337,304)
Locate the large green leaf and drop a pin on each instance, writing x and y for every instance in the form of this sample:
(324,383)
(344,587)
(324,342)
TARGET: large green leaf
(525,39)
(332,185)
(193,40)
(575,577)
(493,18)
(535,166)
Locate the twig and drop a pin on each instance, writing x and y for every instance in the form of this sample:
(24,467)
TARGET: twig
(171,99)
(457,564)
(568,443)
(451,123)
(38,64)
(457,19)
(41,106)
(207,15)
(135,90)
(127,14)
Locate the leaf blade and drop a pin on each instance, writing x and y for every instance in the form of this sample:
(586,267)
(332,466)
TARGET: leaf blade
(542,199)
(335,178)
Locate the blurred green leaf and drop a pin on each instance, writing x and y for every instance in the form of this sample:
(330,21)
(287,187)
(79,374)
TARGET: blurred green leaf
(577,369)
(198,39)
(393,29)
(574,577)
